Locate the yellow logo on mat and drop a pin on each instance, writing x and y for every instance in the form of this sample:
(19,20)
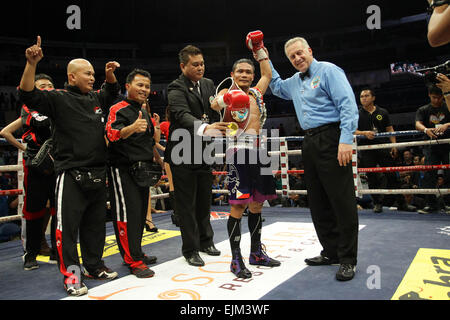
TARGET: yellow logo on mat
(111,243)
(428,277)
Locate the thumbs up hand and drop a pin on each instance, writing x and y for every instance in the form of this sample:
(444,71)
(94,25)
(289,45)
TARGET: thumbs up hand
(140,125)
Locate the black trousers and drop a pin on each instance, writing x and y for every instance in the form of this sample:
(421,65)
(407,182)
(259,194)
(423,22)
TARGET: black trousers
(434,155)
(192,186)
(79,214)
(372,158)
(331,195)
(129,203)
(39,189)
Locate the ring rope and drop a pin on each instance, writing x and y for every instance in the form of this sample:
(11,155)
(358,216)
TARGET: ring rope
(283,155)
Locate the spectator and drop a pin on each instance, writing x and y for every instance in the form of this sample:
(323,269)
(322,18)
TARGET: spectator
(278,186)
(417,179)
(443,200)
(434,120)
(165,125)
(8,230)
(149,225)
(217,198)
(408,160)
(443,83)
(374,119)
(364,201)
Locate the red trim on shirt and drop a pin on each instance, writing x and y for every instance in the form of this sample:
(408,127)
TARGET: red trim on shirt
(114,134)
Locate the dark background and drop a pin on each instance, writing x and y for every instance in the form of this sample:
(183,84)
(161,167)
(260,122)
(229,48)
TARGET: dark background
(149,34)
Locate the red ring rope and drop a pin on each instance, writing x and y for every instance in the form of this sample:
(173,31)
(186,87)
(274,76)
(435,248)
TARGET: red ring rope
(12,192)
(376,169)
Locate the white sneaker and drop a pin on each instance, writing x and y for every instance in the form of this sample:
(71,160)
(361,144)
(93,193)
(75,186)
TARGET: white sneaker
(76,290)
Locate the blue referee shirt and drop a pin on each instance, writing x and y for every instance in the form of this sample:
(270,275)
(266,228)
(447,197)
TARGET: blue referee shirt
(324,97)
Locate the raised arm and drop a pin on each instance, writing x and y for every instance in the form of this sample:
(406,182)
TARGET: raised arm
(33,54)
(110,67)
(36,99)
(266,74)
(439,26)
(110,90)
(255,43)
(280,87)
(444,85)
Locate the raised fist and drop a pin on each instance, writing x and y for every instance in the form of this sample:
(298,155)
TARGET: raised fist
(254,42)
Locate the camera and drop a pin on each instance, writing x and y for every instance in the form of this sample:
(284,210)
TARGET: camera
(429,74)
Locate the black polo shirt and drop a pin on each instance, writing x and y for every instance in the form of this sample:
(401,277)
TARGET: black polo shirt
(376,121)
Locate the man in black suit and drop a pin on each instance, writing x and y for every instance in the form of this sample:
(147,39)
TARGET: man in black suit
(192,119)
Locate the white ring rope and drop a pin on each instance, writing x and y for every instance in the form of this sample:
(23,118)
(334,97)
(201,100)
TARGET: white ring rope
(286,191)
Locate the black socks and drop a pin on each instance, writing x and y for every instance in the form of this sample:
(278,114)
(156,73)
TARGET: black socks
(234,232)
(255,226)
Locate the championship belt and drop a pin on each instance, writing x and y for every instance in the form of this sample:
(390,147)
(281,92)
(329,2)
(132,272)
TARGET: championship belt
(238,117)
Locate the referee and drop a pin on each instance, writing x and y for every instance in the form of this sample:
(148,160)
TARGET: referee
(326,109)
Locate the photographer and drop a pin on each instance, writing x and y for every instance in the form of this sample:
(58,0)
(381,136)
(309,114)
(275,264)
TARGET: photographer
(439,24)
(434,120)
(444,84)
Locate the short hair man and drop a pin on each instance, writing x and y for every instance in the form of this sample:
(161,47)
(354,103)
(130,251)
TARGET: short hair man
(192,116)
(434,120)
(326,109)
(374,119)
(248,186)
(80,163)
(132,146)
(39,184)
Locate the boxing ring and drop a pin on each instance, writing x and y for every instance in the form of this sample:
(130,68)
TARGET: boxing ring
(391,241)
(284,164)
(284,153)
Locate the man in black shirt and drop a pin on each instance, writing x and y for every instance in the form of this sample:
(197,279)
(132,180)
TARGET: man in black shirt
(39,182)
(372,120)
(132,145)
(80,163)
(434,120)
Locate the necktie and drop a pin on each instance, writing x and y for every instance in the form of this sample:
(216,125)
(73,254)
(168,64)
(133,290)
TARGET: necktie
(197,87)
(305,74)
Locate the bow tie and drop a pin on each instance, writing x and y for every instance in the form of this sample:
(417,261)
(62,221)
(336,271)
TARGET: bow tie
(305,74)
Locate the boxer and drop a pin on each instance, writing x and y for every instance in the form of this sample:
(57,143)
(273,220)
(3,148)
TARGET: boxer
(244,105)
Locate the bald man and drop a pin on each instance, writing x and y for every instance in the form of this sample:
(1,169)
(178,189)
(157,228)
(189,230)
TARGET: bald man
(80,163)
